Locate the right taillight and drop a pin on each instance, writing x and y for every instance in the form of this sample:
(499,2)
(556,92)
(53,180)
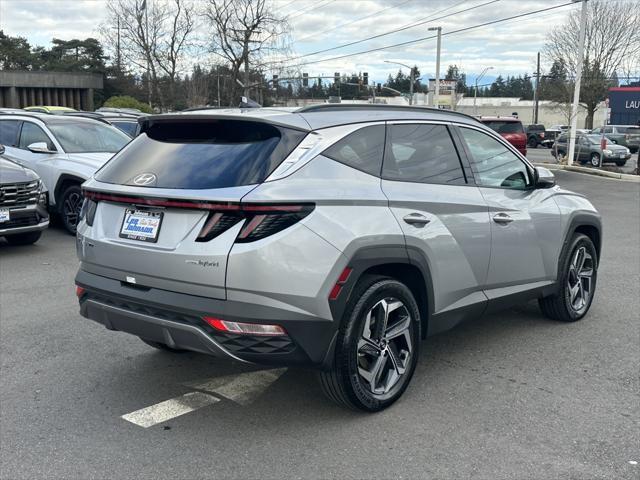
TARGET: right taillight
(260,221)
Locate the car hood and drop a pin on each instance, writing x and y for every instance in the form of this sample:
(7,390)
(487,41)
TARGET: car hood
(94,159)
(11,172)
(616,148)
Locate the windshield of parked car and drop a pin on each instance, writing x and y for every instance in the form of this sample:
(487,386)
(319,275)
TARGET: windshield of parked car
(634,130)
(504,127)
(86,137)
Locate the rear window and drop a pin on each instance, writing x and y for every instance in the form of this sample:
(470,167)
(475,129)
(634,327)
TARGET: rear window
(504,127)
(202,154)
(127,127)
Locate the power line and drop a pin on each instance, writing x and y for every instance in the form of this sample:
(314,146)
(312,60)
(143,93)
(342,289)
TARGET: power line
(374,14)
(304,11)
(422,39)
(422,21)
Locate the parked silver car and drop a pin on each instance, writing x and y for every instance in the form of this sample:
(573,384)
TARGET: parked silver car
(63,151)
(589,150)
(332,236)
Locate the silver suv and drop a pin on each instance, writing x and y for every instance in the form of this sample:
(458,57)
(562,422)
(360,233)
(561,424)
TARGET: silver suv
(332,236)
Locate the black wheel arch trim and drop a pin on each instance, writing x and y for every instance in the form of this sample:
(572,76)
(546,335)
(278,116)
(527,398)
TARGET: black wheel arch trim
(584,219)
(63,180)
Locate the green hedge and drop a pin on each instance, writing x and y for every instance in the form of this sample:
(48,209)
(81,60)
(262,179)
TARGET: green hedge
(125,101)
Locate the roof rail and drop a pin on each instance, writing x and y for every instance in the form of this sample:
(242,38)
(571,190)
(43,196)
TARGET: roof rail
(336,107)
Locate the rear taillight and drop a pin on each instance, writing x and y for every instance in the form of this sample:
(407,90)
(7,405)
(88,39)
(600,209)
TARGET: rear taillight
(541,134)
(260,221)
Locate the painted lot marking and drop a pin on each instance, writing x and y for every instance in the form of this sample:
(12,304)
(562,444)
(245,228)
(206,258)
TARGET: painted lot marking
(175,407)
(242,389)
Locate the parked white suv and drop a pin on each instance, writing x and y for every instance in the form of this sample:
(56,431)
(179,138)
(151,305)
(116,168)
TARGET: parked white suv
(63,151)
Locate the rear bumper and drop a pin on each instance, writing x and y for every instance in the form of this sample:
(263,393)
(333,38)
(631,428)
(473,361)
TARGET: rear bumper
(176,320)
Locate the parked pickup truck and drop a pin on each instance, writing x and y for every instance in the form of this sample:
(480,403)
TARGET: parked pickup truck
(536,135)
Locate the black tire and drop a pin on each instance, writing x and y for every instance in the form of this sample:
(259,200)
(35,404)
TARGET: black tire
(561,306)
(344,383)
(595,159)
(162,346)
(70,205)
(532,143)
(24,238)
(621,163)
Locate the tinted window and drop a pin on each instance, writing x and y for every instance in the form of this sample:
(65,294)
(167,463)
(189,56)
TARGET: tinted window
(9,132)
(504,127)
(33,134)
(634,130)
(202,154)
(362,149)
(608,130)
(84,137)
(493,164)
(127,127)
(422,153)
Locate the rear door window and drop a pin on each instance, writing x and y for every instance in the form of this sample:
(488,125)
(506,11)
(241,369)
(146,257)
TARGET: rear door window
(422,153)
(9,132)
(202,154)
(362,149)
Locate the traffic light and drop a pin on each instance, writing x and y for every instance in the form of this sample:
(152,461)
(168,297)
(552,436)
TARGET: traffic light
(379,88)
(275,81)
(305,79)
(336,77)
(365,78)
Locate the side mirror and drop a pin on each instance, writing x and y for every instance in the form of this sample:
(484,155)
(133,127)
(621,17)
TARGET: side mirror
(544,178)
(40,147)
(1,149)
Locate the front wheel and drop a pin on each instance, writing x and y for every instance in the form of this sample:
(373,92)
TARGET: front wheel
(71,203)
(577,274)
(595,160)
(377,346)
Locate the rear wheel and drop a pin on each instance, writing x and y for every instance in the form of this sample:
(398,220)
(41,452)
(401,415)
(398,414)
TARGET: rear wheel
(377,346)
(532,143)
(578,271)
(621,163)
(24,238)
(70,205)
(162,346)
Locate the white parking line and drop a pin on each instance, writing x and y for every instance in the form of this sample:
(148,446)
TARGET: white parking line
(163,411)
(242,389)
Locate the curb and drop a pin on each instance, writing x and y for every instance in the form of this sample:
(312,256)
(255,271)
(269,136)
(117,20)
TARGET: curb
(591,171)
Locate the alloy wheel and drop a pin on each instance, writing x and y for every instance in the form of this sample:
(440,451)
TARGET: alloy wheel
(71,209)
(385,345)
(595,160)
(580,279)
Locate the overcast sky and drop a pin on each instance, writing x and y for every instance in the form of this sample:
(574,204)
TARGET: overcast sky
(510,47)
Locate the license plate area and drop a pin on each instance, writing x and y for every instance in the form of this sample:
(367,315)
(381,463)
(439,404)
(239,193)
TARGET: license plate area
(141,225)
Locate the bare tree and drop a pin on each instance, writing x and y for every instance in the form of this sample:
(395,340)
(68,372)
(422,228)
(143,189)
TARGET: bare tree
(152,37)
(243,32)
(612,37)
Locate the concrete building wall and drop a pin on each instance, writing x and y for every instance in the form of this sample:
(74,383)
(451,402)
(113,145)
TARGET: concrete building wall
(19,89)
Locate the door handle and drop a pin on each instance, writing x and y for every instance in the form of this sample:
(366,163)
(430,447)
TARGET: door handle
(416,219)
(502,218)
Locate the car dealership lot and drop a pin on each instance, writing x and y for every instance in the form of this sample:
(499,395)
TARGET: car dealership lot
(512,395)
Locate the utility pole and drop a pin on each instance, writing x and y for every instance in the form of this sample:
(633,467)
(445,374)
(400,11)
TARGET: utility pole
(475,91)
(536,93)
(411,78)
(576,91)
(118,58)
(436,99)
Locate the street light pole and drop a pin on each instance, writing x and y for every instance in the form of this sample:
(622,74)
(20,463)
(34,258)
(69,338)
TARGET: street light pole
(439,42)
(576,91)
(475,91)
(411,78)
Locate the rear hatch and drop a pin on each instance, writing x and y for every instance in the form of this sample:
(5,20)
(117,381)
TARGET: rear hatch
(511,130)
(165,212)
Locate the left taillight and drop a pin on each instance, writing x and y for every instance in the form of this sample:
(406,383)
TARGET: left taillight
(260,221)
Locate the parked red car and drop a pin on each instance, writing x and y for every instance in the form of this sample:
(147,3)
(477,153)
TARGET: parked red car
(511,129)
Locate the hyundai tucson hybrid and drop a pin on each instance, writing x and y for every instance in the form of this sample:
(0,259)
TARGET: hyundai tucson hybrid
(334,237)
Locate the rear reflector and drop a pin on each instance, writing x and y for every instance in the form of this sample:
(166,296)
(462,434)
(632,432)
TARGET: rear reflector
(79,291)
(240,328)
(342,279)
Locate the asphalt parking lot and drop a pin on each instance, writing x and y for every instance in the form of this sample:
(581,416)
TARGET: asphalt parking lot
(512,395)
(543,155)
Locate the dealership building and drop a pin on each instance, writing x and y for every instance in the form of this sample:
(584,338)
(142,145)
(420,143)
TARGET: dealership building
(624,105)
(19,89)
